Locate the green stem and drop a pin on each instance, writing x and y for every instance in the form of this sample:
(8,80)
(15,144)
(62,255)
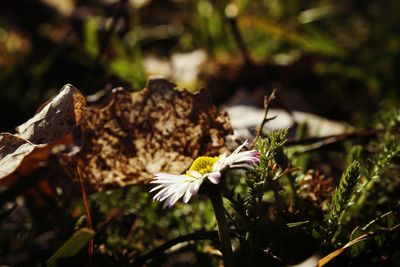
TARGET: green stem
(157,252)
(223,229)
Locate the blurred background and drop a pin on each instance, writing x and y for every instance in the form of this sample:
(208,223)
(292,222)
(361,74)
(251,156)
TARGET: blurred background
(337,59)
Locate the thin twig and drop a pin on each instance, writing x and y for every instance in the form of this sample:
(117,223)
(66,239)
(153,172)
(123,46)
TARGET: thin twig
(205,235)
(315,143)
(85,200)
(267,101)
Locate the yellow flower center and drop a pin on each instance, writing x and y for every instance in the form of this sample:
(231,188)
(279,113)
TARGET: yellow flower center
(203,164)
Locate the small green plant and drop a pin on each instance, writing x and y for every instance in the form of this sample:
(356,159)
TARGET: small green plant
(342,196)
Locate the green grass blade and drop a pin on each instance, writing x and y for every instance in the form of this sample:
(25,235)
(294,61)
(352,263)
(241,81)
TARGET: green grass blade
(72,246)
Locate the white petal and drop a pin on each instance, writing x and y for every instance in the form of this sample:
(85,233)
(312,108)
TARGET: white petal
(220,164)
(167,191)
(166,203)
(246,156)
(243,165)
(175,197)
(187,196)
(194,187)
(173,187)
(214,177)
(166,175)
(249,157)
(178,190)
(157,188)
(239,148)
(195,174)
(162,194)
(170,179)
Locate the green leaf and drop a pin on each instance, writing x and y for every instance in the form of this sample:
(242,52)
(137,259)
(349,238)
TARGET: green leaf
(90,37)
(72,246)
(342,196)
(297,224)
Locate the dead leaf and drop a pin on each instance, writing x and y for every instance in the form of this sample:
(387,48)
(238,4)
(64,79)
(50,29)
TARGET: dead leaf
(156,130)
(55,119)
(13,150)
(37,158)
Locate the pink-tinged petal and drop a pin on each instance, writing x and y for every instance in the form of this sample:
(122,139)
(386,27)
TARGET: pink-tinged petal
(243,165)
(214,177)
(241,156)
(246,156)
(236,156)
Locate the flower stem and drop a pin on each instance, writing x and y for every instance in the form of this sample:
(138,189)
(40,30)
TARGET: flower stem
(223,230)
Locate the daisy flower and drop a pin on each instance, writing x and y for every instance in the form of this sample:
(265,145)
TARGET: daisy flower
(172,187)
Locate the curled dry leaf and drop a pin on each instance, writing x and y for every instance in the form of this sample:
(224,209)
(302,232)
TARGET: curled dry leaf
(137,134)
(55,120)
(13,150)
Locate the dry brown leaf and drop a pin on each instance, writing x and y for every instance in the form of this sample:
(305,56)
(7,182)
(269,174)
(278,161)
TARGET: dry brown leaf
(38,157)
(13,150)
(156,130)
(55,119)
